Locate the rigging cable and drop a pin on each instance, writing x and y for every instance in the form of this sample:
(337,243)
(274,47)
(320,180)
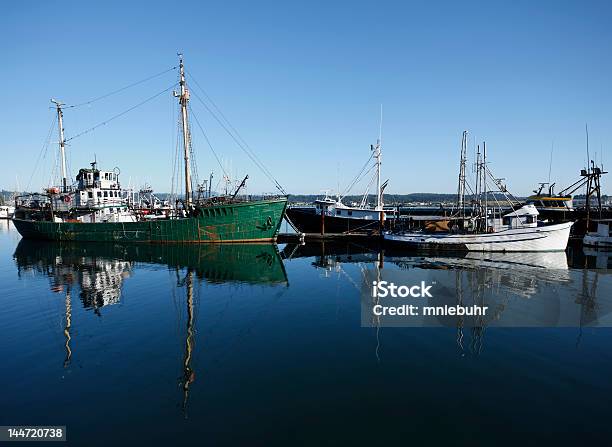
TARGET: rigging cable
(120,114)
(242,144)
(208,141)
(120,90)
(43,152)
(359,176)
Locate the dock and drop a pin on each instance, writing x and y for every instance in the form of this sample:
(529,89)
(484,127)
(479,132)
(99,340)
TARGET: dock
(296,238)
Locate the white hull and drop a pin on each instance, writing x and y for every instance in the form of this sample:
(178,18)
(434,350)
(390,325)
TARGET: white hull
(546,238)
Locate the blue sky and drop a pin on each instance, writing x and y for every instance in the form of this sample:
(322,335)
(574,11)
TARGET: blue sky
(303,82)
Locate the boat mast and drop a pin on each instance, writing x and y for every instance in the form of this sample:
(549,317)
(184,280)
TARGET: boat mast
(484,181)
(461,187)
(62,141)
(378,156)
(183,96)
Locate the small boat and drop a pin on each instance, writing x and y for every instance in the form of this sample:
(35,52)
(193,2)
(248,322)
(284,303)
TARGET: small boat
(147,205)
(332,216)
(551,205)
(6,211)
(516,231)
(600,239)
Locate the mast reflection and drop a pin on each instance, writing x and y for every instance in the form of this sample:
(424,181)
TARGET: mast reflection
(98,271)
(188,372)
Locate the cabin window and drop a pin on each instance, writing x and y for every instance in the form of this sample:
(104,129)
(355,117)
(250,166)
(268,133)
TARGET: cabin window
(99,194)
(350,213)
(90,195)
(105,194)
(530,219)
(506,220)
(339,212)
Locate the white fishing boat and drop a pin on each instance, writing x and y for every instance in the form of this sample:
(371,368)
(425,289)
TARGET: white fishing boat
(485,225)
(516,231)
(600,239)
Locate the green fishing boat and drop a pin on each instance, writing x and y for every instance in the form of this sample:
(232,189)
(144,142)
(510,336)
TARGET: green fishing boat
(257,221)
(96,210)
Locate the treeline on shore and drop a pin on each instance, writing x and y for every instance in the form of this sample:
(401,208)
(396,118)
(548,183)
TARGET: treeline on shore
(417,197)
(390,199)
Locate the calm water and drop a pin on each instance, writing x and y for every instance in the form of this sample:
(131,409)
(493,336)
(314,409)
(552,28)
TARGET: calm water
(260,345)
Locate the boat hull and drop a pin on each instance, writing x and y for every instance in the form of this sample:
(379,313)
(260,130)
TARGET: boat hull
(309,222)
(257,221)
(547,238)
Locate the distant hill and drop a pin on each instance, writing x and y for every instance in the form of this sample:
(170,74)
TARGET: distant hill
(390,199)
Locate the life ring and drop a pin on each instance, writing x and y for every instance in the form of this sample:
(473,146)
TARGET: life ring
(67,199)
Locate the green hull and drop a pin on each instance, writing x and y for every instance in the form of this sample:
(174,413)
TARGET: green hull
(257,221)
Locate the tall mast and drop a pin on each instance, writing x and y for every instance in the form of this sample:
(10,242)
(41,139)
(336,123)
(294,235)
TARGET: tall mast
(461,187)
(378,156)
(484,182)
(183,97)
(62,141)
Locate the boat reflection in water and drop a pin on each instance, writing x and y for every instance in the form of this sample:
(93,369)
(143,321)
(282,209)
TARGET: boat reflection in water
(518,289)
(98,272)
(99,278)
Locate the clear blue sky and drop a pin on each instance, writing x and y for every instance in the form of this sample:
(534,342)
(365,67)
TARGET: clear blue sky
(302,82)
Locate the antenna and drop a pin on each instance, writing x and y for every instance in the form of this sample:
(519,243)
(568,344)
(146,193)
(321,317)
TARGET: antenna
(586,128)
(380,125)
(552,148)
(378,157)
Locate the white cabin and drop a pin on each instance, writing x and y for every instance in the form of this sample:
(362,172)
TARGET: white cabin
(98,197)
(331,207)
(525,217)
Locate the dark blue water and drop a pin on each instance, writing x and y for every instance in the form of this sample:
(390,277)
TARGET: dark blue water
(254,346)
